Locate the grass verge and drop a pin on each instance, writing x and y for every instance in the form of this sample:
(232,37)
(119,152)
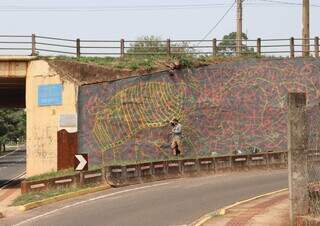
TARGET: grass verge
(45,176)
(42,195)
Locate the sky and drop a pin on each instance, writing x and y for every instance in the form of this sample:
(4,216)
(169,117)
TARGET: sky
(129,19)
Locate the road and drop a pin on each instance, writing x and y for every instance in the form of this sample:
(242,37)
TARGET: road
(12,165)
(164,203)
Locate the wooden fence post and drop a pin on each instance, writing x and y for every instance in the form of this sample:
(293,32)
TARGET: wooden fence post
(122,47)
(33,43)
(292,47)
(214,47)
(316,47)
(78,47)
(259,47)
(297,160)
(168,47)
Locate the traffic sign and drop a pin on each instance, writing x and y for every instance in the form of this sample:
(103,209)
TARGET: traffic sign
(81,162)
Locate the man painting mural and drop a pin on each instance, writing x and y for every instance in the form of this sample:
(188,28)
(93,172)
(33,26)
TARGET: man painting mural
(176,144)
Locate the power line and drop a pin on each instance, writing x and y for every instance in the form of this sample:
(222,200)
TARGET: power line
(219,21)
(93,8)
(104,8)
(287,3)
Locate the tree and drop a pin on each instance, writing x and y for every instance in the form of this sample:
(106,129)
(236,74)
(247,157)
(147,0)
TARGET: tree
(147,44)
(154,45)
(12,125)
(228,44)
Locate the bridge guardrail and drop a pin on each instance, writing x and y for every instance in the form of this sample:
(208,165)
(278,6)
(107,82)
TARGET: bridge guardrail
(48,46)
(120,175)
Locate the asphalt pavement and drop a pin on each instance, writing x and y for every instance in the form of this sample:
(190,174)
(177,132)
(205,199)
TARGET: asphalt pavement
(164,203)
(12,165)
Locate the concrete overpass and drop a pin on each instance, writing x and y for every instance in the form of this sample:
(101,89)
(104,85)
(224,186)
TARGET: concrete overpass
(21,79)
(13,72)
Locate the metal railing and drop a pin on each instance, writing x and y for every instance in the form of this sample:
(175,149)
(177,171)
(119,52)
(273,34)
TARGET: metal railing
(44,45)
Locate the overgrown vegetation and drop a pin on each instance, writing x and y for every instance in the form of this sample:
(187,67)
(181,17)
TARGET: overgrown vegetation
(12,126)
(149,53)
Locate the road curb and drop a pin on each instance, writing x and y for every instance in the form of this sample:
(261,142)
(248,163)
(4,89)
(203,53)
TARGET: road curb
(222,211)
(54,199)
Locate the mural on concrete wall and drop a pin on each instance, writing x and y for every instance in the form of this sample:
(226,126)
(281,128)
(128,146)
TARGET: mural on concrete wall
(223,107)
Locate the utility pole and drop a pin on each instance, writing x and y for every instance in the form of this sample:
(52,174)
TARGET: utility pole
(239,27)
(306,28)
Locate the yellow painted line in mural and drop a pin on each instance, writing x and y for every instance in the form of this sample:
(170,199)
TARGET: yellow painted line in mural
(159,114)
(126,116)
(152,105)
(170,101)
(106,133)
(121,128)
(166,117)
(145,104)
(142,123)
(97,134)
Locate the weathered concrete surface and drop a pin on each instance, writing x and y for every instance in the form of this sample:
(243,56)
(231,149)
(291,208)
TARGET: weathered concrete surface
(43,121)
(297,155)
(13,72)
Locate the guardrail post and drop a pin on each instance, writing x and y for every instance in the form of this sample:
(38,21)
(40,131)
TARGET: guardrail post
(248,161)
(33,47)
(124,174)
(231,163)
(297,151)
(122,47)
(292,47)
(197,162)
(316,47)
(24,187)
(267,160)
(214,47)
(78,47)
(259,47)
(81,178)
(168,47)
(181,166)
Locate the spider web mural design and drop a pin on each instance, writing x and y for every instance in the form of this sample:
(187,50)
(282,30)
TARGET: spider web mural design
(222,107)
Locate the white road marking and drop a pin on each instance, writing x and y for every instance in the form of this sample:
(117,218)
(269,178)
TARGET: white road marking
(3,186)
(87,201)
(9,153)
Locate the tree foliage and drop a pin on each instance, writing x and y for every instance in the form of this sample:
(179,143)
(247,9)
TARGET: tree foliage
(228,44)
(147,44)
(154,45)
(12,125)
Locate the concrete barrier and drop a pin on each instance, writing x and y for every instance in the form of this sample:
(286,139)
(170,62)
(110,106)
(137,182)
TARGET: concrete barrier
(120,175)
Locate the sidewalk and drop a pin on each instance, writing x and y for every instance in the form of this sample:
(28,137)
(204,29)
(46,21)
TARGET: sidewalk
(272,210)
(7,195)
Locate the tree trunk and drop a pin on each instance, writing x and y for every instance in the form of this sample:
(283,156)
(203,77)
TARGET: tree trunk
(4,147)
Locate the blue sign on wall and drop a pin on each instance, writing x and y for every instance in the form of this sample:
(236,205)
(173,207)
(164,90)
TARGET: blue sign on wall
(49,95)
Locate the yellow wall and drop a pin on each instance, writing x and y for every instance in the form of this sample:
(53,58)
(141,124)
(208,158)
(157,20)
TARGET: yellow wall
(43,122)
